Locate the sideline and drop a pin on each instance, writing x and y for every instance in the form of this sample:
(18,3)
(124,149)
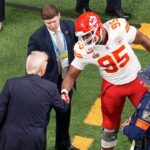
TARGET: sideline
(65,14)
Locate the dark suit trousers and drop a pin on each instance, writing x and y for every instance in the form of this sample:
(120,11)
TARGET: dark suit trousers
(113,4)
(81,4)
(2,10)
(63,123)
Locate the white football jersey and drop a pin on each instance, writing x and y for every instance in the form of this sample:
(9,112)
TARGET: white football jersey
(116,60)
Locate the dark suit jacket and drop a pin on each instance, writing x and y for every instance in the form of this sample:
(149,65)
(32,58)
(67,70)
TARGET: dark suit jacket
(25,104)
(41,40)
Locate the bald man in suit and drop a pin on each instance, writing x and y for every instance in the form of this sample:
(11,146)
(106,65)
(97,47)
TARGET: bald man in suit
(25,105)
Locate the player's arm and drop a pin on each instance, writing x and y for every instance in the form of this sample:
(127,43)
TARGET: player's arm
(70,78)
(142,39)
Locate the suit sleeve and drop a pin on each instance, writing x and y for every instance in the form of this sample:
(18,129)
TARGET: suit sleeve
(58,103)
(4,98)
(32,45)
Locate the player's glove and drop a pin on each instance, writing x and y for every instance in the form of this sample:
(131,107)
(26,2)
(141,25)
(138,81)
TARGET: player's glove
(65,96)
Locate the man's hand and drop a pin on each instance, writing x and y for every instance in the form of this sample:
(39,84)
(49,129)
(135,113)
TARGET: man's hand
(126,123)
(65,96)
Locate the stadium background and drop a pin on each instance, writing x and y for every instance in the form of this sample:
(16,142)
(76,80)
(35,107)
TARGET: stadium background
(21,22)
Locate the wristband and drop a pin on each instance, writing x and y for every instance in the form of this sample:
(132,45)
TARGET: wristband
(64,91)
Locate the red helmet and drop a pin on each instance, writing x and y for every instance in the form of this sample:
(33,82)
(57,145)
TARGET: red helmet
(89,28)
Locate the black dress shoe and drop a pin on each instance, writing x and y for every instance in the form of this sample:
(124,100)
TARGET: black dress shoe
(71,147)
(82,10)
(119,13)
(128,14)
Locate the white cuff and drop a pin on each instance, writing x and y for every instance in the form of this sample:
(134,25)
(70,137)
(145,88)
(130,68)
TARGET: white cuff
(64,91)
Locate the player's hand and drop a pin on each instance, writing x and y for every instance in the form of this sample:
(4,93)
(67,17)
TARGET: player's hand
(65,96)
(126,123)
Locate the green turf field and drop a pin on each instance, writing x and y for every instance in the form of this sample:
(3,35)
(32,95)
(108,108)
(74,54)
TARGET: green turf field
(19,25)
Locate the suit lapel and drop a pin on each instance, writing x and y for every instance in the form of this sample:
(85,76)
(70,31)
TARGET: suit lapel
(49,43)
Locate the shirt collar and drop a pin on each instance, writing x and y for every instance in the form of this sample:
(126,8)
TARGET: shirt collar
(33,76)
(53,33)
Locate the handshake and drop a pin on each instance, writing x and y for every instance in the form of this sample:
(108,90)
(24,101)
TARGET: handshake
(65,96)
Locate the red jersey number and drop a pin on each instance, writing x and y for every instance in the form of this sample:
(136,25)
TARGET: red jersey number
(113,62)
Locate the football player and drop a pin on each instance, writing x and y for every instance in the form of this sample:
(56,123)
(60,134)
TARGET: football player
(108,46)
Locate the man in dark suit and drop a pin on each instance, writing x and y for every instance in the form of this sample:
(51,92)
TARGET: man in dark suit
(25,105)
(82,6)
(2,13)
(57,38)
(113,8)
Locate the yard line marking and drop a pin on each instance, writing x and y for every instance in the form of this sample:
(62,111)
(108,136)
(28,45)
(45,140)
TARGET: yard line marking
(83,143)
(145,28)
(95,115)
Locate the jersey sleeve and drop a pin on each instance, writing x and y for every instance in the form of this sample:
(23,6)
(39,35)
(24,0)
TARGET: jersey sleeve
(129,31)
(79,60)
(78,63)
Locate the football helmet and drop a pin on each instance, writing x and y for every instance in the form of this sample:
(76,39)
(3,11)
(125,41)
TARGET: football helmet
(89,28)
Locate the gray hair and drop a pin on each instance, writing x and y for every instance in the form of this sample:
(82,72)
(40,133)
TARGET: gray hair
(35,61)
